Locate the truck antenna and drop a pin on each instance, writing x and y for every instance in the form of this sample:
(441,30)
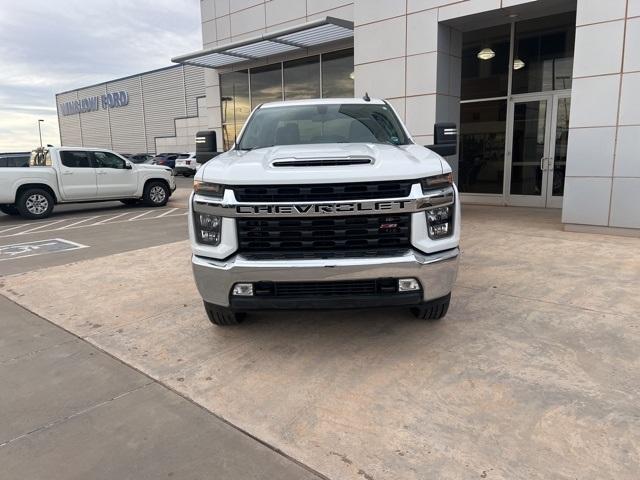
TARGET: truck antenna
(366,97)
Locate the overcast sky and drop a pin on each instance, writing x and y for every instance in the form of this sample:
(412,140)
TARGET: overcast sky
(49,46)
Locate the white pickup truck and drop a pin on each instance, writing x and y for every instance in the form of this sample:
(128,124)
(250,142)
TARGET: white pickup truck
(74,175)
(326,204)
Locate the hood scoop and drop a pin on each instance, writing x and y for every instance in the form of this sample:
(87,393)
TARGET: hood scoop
(323,162)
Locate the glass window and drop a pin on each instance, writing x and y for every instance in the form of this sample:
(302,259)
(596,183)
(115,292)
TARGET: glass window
(108,160)
(485,77)
(302,78)
(337,74)
(73,159)
(266,84)
(482,139)
(313,124)
(234,96)
(543,54)
(562,141)
(529,130)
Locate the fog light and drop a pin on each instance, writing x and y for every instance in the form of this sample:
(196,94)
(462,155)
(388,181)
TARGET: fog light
(243,289)
(408,285)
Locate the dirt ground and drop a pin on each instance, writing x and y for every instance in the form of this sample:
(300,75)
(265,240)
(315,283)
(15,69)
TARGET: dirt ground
(534,373)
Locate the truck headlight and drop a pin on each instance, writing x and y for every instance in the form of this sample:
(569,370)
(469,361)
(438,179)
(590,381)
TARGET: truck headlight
(440,222)
(207,188)
(437,181)
(208,228)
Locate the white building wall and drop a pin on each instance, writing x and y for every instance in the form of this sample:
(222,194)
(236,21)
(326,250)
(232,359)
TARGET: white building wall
(602,187)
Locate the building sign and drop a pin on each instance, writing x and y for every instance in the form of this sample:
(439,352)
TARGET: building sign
(91,104)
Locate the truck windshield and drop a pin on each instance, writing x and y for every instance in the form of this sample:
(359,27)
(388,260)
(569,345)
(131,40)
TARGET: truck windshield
(324,123)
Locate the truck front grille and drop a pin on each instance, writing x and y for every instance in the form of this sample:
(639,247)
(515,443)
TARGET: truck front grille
(369,235)
(323,192)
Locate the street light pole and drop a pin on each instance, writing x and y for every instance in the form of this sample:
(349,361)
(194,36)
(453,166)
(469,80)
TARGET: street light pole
(40,131)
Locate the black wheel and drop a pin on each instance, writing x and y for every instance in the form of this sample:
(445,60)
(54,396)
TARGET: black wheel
(432,310)
(222,316)
(156,194)
(9,210)
(130,201)
(35,203)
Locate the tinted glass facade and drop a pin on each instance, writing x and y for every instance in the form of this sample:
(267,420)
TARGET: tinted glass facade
(326,75)
(542,53)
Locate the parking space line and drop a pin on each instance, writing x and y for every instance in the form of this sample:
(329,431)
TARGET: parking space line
(42,226)
(17,226)
(166,213)
(110,218)
(78,222)
(140,215)
(85,222)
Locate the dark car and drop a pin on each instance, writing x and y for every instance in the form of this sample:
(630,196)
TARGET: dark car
(19,159)
(165,159)
(140,158)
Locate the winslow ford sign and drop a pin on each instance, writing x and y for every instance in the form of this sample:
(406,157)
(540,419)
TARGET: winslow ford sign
(90,104)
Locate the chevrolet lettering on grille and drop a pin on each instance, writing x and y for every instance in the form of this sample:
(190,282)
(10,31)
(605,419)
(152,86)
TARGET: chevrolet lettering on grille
(322,208)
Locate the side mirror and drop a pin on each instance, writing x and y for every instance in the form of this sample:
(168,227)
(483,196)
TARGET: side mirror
(445,138)
(127,166)
(206,146)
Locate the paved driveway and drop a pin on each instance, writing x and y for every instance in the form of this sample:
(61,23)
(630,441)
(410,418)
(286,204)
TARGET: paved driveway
(534,373)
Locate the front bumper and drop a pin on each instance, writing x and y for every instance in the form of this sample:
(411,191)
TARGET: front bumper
(436,273)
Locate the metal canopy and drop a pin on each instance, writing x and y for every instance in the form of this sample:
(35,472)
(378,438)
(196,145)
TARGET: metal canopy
(312,34)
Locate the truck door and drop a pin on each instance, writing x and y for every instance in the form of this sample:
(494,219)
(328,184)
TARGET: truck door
(115,176)
(77,175)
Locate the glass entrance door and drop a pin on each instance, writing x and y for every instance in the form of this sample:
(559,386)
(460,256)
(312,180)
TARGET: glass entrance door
(536,150)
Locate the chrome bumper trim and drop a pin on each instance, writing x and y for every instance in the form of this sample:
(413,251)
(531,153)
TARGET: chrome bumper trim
(436,272)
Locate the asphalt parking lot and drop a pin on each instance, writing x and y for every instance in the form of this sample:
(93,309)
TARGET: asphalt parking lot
(534,373)
(94,229)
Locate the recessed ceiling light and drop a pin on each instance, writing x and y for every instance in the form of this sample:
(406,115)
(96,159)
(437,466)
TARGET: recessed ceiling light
(486,54)
(518,64)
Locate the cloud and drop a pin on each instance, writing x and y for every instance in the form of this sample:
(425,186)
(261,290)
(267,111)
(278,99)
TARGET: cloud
(50,46)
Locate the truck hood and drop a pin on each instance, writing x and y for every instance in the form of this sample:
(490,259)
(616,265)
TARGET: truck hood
(387,162)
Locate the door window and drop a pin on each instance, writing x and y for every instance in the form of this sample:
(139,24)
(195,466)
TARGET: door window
(76,159)
(562,140)
(108,160)
(529,147)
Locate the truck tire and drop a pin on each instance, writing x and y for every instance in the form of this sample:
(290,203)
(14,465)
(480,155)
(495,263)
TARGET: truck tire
(35,203)
(222,316)
(9,210)
(156,194)
(432,310)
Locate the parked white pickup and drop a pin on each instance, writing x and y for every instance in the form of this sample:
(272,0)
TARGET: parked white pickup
(74,175)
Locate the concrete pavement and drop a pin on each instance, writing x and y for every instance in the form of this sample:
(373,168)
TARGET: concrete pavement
(69,411)
(534,373)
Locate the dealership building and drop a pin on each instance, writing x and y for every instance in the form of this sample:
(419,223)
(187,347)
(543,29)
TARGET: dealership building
(546,93)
